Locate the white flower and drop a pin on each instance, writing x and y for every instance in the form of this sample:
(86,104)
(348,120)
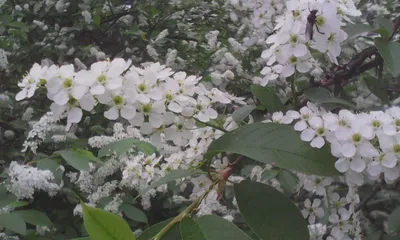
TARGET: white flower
(221,164)
(312,211)
(386,163)
(153,112)
(317,184)
(356,163)
(337,202)
(63,87)
(305,114)
(201,183)
(203,110)
(104,75)
(30,81)
(343,224)
(179,131)
(291,115)
(316,133)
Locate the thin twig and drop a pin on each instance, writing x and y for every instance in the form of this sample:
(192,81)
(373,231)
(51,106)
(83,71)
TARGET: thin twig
(374,191)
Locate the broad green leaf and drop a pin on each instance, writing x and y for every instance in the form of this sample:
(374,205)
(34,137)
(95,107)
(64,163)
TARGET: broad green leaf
(190,230)
(119,147)
(53,166)
(271,173)
(103,225)
(133,213)
(268,98)
(6,18)
(323,96)
(18,204)
(394,220)
(215,228)
(269,213)
(276,144)
(172,176)
(288,181)
(172,234)
(34,217)
(146,148)
(6,197)
(13,222)
(377,87)
(17,24)
(354,30)
(385,27)
(84,238)
(97,19)
(390,52)
(373,236)
(77,158)
(242,113)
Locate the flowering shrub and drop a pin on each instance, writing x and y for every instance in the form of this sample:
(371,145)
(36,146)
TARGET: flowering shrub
(207,120)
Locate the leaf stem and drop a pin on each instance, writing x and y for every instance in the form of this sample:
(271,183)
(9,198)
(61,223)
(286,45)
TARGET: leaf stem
(185,213)
(293,87)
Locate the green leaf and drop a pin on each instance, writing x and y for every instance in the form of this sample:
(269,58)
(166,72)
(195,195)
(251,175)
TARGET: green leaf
(373,236)
(390,52)
(77,158)
(354,30)
(146,148)
(133,213)
(17,24)
(34,217)
(18,204)
(268,98)
(84,238)
(53,166)
(323,96)
(190,230)
(172,176)
(385,27)
(269,213)
(288,181)
(271,173)
(6,197)
(13,222)
(172,234)
(377,87)
(97,19)
(6,18)
(276,144)
(213,227)
(394,220)
(103,225)
(119,147)
(391,237)
(242,113)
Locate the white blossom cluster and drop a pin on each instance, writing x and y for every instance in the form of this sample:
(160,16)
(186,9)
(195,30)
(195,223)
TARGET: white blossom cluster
(139,170)
(299,32)
(366,146)
(148,97)
(344,221)
(25,179)
(39,131)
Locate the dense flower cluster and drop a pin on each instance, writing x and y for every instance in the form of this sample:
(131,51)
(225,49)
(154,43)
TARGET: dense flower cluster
(149,97)
(25,179)
(298,33)
(366,144)
(162,105)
